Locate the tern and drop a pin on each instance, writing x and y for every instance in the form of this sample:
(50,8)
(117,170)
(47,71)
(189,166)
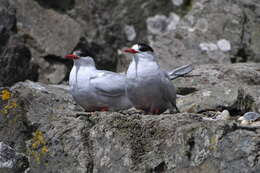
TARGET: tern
(149,88)
(100,90)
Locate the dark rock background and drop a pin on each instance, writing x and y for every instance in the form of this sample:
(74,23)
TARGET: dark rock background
(180,31)
(43,130)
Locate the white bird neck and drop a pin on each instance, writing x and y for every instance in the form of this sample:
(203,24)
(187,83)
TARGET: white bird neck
(145,56)
(86,63)
(80,74)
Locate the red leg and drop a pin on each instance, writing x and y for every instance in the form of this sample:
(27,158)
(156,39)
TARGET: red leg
(156,111)
(104,109)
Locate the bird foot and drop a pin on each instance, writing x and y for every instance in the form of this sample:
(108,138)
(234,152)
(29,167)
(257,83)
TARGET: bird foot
(104,109)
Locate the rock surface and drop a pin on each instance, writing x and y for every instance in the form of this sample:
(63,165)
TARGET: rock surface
(15,57)
(10,161)
(180,31)
(44,123)
(235,87)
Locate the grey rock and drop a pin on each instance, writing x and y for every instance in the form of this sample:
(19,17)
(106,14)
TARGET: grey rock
(15,63)
(130,32)
(57,136)
(15,57)
(161,24)
(54,28)
(49,34)
(180,31)
(211,87)
(11,161)
(211,32)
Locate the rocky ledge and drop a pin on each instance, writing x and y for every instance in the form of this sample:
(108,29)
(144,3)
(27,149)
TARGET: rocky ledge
(43,130)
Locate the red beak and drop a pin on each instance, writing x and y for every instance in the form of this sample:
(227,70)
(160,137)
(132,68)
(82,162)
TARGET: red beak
(71,56)
(129,50)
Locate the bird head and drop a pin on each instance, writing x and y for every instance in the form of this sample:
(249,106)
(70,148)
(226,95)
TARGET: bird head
(81,57)
(139,48)
(141,52)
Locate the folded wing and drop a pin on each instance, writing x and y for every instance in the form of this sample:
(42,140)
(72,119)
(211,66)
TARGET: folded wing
(109,84)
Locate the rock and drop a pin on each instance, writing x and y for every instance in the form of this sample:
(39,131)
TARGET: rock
(54,28)
(130,32)
(15,63)
(224,115)
(49,32)
(216,87)
(15,59)
(42,122)
(11,161)
(160,23)
(180,31)
(203,36)
(224,45)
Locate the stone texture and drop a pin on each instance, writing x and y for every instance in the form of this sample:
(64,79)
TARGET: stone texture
(15,57)
(181,32)
(10,161)
(209,24)
(235,87)
(49,31)
(202,32)
(42,122)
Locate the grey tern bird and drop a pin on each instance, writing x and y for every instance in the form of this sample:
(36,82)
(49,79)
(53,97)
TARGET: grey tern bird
(100,90)
(93,89)
(149,87)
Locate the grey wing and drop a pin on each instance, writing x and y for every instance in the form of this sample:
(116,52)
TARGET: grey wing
(168,89)
(109,83)
(180,71)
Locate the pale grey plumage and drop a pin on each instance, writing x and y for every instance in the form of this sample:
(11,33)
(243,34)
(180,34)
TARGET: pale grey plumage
(148,87)
(97,89)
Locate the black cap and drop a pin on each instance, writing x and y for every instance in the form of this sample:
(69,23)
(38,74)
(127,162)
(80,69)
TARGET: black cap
(144,47)
(83,49)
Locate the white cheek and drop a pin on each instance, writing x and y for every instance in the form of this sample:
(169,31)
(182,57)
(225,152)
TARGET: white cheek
(135,47)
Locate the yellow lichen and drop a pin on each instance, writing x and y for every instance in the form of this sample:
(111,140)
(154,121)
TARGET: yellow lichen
(213,143)
(5,94)
(38,138)
(36,156)
(38,146)
(4,111)
(44,149)
(9,106)
(35,144)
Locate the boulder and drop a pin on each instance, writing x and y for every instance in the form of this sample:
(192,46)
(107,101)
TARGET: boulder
(180,31)
(44,123)
(211,87)
(15,57)
(11,161)
(202,32)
